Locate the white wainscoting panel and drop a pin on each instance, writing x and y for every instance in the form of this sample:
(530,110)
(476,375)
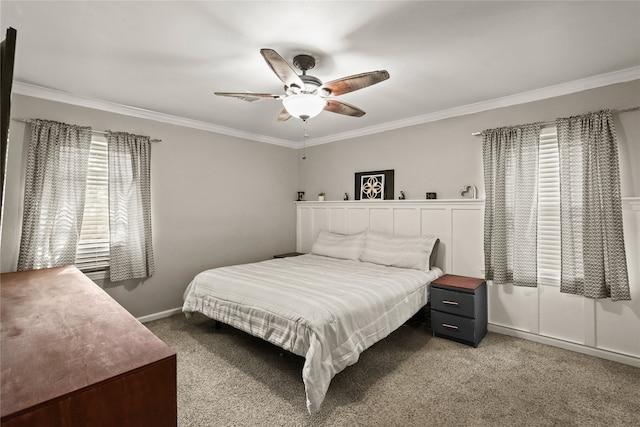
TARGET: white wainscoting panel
(358,219)
(304,222)
(513,307)
(467,228)
(381,219)
(618,323)
(437,222)
(406,221)
(457,223)
(339,220)
(562,316)
(599,327)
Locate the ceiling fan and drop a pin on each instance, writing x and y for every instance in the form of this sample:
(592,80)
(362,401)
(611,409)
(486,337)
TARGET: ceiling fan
(305,95)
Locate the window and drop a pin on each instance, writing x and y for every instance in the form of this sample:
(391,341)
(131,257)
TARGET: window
(92,254)
(69,221)
(548,208)
(578,240)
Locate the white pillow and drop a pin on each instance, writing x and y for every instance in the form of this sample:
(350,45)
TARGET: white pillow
(343,246)
(398,251)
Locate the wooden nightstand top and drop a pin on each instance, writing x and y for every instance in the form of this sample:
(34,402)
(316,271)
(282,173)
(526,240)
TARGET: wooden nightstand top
(455,281)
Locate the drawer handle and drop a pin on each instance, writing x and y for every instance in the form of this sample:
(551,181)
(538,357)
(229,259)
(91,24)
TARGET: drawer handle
(450,302)
(446,325)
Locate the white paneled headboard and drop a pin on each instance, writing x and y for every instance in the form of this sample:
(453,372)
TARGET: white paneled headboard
(457,223)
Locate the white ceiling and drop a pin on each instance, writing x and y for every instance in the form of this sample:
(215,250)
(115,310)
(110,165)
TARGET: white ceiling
(444,58)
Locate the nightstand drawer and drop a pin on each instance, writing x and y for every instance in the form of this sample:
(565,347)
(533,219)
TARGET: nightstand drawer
(458,303)
(459,328)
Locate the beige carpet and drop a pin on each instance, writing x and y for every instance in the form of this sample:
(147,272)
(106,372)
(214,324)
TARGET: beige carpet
(229,378)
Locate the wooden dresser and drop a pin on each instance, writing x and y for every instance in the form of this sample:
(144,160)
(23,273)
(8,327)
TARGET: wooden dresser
(71,356)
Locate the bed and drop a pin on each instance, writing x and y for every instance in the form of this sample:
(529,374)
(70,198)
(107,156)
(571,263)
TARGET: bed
(327,306)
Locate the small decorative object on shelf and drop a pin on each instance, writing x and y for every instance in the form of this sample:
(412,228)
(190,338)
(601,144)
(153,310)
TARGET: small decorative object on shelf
(346,196)
(401,195)
(300,196)
(469,191)
(430,196)
(321,197)
(459,308)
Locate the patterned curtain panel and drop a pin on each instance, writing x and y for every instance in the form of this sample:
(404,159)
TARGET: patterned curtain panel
(510,158)
(54,194)
(593,255)
(130,206)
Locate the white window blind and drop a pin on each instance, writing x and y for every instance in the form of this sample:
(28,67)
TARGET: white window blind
(548,208)
(93,246)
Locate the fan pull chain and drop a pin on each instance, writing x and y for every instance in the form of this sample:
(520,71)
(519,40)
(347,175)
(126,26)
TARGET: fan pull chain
(304,141)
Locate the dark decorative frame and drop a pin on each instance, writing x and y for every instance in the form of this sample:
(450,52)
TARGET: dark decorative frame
(384,178)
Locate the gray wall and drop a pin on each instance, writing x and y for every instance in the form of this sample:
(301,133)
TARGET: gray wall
(442,156)
(216,200)
(219,200)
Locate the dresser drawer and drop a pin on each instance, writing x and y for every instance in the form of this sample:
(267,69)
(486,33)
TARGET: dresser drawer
(458,303)
(449,325)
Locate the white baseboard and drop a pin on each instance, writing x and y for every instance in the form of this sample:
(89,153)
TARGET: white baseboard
(597,352)
(160,315)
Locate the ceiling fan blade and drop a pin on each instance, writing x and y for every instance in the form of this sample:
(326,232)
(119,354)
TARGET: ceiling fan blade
(283,70)
(355,82)
(343,108)
(284,115)
(248,96)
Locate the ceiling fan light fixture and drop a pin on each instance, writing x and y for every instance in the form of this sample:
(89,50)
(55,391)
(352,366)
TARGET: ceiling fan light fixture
(304,105)
(304,96)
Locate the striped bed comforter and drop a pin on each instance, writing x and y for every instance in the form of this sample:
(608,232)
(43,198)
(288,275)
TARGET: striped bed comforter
(326,309)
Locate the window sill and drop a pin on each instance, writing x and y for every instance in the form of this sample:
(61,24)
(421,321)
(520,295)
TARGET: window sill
(98,275)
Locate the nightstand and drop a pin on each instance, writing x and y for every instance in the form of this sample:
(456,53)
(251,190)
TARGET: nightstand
(287,255)
(459,308)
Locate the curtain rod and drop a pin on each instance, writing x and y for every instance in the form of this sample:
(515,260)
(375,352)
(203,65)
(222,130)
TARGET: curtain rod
(624,110)
(100,132)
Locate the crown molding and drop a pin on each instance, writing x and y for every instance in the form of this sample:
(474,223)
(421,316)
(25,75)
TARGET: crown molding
(621,76)
(607,79)
(34,91)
